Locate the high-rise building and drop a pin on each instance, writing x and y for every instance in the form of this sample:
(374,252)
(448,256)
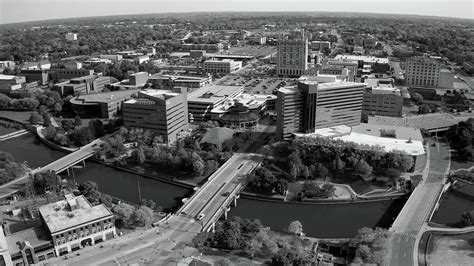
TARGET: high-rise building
(292,56)
(427,72)
(162,111)
(312,105)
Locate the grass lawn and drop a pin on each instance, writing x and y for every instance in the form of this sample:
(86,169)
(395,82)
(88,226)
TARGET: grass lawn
(450,250)
(22,117)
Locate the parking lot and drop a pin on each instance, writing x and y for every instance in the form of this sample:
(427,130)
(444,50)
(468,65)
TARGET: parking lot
(254,50)
(258,85)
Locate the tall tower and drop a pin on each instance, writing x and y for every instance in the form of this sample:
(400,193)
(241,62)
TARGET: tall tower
(292,55)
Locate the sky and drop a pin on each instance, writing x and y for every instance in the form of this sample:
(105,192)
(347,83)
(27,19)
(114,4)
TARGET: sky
(31,10)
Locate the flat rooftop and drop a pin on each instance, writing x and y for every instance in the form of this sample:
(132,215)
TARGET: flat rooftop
(408,140)
(58,216)
(367,59)
(343,84)
(214,93)
(386,90)
(36,236)
(148,96)
(289,89)
(179,78)
(102,97)
(428,121)
(252,101)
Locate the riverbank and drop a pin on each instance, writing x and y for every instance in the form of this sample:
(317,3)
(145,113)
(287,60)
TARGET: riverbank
(446,246)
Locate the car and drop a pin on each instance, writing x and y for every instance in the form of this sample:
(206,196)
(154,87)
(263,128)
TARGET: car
(200,216)
(226,194)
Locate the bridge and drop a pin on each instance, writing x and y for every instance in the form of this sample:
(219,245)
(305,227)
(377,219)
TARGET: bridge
(215,197)
(420,207)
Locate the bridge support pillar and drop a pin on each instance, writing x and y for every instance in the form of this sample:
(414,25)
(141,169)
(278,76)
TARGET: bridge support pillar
(68,172)
(226,210)
(84,163)
(235,199)
(213,227)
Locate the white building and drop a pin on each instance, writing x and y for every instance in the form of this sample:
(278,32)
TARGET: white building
(225,66)
(71,36)
(292,57)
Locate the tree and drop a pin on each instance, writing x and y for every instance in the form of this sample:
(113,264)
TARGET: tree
(143,216)
(97,128)
(295,227)
(363,169)
(139,155)
(57,108)
(77,121)
(123,214)
(35,118)
(90,190)
(424,109)
(417,98)
(4,101)
(46,119)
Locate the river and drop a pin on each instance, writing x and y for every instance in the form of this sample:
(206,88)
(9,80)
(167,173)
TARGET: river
(453,203)
(319,220)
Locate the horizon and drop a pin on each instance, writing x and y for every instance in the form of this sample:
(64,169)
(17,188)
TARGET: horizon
(77,9)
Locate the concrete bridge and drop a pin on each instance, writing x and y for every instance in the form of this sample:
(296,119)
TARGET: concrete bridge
(420,207)
(216,196)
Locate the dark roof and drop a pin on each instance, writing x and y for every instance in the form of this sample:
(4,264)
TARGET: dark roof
(240,117)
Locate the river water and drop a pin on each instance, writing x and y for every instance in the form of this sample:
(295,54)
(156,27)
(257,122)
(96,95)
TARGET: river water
(453,203)
(319,220)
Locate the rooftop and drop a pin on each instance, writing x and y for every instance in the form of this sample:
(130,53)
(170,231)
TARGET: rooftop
(386,90)
(390,138)
(71,212)
(36,236)
(366,59)
(10,77)
(149,96)
(213,93)
(289,89)
(428,121)
(344,84)
(102,97)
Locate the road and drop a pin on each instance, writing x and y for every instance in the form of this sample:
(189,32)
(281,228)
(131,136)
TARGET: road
(407,228)
(163,248)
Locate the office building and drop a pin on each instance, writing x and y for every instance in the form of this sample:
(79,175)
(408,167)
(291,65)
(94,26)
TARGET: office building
(10,83)
(312,105)
(73,65)
(141,59)
(202,101)
(66,226)
(112,57)
(41,65)
(384,101)
(426,71)
(170,81)
(102,105)
(259,40)
(162,111)
(71,36)
(224,66)
(134,81)
(320,45)
(377,64)
(82,85)
(40,76)
(292,56)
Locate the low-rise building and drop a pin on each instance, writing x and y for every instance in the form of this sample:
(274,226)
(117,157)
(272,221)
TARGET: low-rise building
(197,53)
(40,76)
(141,59)
(382,101)
(103,105)
(10,83)
(171,81)
(112,57)
(71,36)
(43,64)
(225,66)
(162,111)
(210,48)
(7,64)
(377,64)
(134,81)
(202,101)
(73,65)
(66,226)
(82,85)
(320,45)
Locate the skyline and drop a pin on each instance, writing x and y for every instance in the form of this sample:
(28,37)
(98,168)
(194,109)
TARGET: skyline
(58,9)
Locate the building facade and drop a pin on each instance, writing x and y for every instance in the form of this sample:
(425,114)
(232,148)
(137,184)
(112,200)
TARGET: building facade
(82,85)
(202,101)
(292,56)
(71,36)
(426,71)
(162,111)
(210,48)
(225,66)
(312,105)
(382,101)
(103,105)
